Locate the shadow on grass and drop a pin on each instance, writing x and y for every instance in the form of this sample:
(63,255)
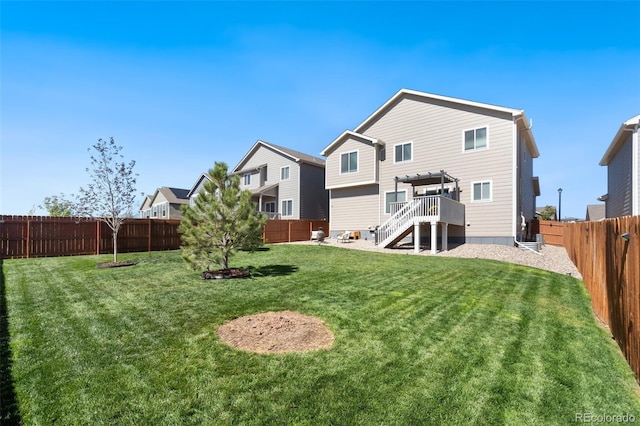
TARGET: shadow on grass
(272,270)
(256,249)
(9,413)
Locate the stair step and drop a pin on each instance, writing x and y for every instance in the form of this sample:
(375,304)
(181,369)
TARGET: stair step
(532,245)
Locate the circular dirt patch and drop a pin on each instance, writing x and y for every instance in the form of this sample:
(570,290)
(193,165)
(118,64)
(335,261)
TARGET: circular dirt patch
(276,332)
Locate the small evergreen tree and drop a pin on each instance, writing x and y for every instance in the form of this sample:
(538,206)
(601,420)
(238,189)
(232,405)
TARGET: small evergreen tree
(222,220)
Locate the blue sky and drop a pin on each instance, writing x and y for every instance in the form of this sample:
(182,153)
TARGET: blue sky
(181,85)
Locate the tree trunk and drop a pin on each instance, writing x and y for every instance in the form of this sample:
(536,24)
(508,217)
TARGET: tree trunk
(115,247)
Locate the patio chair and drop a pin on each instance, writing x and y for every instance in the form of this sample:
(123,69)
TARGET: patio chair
(344,237)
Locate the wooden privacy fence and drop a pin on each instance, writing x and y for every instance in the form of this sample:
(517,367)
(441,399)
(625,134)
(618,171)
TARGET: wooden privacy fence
(552,232)
(610,268)
(286,231)
(46,236)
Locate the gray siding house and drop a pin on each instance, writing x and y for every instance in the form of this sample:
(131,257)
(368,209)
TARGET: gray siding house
(165,203)
(286,184)
(434,168)
(622,159)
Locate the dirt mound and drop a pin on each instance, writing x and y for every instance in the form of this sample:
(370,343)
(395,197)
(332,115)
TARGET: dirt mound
(276,332)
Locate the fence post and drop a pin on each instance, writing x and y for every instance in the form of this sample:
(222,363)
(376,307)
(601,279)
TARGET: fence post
(97,237)
(28,249)
(149,232)
(289,233)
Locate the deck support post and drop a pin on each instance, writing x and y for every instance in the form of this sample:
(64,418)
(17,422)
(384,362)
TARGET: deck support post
(416,237)
(445,237)
(434,237)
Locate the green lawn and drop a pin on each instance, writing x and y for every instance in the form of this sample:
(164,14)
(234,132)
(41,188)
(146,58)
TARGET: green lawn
(419,340)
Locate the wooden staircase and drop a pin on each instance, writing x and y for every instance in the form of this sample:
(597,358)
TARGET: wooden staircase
(430,209)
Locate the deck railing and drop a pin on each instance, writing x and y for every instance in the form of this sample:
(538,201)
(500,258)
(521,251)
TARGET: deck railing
(420,209)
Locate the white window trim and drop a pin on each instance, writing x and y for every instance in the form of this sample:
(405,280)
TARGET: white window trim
(384,200)
(475,149)
(357,151)
(288,173)
(403,161)
(245,177)
(490,182)
(283,210)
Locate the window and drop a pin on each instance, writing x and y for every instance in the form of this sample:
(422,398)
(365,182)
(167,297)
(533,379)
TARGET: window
(482,191)
(287,208)
(475,139)
(270,207)
(349,162)
(155,211)
(247,179)
(284,173)
(164,210)
(390,197)
(403,152)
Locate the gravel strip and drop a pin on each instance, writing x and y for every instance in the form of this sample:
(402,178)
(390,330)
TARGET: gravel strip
(549,258)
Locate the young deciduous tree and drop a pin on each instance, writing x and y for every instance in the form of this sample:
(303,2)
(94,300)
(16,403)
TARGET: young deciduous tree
(111,194)
(222,220)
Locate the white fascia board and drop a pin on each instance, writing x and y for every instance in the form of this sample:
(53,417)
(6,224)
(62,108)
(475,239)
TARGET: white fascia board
(345,134)
(197,184)
(618,139)
(403,92)
(281,152)
(247,155)
(351,185)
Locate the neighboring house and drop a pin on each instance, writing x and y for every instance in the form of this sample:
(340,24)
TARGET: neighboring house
(164,203)
(622,159)
(423,160)
(595,212)
(286,184)
(197,187)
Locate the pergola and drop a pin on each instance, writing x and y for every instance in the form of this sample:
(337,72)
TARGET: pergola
(427,179)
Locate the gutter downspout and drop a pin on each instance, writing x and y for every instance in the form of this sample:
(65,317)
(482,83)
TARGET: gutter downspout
(635,171)
(514,181)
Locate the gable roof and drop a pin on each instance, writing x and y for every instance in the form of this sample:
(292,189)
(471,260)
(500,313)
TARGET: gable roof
(344,135)
(197,184)
(596,212)
(296,156)
(173,195)
(517,114)
(619,139)
(146,202)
